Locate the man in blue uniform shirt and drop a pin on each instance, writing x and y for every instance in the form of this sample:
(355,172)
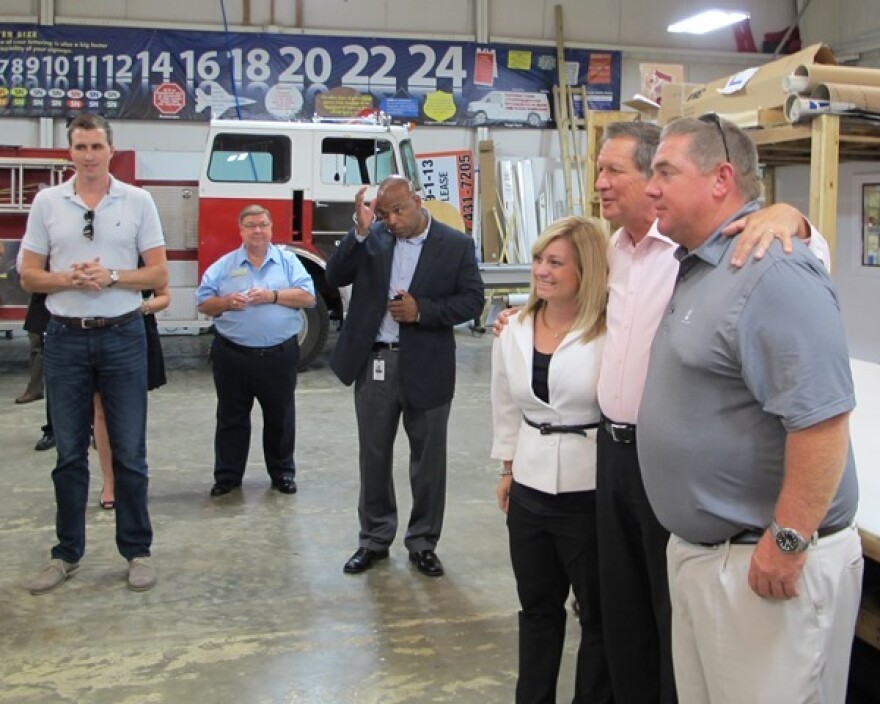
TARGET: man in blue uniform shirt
(255,293)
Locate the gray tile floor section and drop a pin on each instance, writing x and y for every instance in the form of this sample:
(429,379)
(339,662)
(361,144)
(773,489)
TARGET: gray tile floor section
(252,605)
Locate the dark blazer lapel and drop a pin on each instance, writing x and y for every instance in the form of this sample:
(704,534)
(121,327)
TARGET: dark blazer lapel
(386,243)
(432,250)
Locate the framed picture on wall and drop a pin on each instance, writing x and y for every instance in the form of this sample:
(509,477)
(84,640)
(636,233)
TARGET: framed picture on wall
(871,224)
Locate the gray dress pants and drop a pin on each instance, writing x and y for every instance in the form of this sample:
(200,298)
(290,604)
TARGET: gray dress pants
(379,405)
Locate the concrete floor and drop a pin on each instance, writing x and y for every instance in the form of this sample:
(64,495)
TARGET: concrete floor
(252,605)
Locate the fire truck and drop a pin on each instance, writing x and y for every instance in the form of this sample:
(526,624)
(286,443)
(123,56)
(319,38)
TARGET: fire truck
(305,173)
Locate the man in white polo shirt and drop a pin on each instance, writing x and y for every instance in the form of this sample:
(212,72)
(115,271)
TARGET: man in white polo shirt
(92,229)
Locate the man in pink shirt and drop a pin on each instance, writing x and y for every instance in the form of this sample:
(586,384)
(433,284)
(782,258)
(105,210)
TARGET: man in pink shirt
(632,544)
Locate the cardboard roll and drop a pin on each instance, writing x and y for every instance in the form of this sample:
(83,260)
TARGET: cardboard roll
(807,77)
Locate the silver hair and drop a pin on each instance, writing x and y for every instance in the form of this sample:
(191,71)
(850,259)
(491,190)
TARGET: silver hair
(646,136)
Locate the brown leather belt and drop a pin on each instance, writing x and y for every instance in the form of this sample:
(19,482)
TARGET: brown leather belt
(96,323)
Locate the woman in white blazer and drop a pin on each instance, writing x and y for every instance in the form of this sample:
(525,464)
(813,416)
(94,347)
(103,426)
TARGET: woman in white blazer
(545,365)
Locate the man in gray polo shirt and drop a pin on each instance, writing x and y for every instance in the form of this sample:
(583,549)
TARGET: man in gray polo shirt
(744,443)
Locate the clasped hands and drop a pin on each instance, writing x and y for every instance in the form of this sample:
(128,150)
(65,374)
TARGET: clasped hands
(253,296)
(89,276)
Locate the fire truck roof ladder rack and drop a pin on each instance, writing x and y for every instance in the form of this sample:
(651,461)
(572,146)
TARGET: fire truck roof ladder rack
(17,190)
(375,117)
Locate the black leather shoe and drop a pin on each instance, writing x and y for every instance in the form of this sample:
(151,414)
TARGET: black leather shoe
(47,442)
(363,560)
(285,485)
(427,562)
(223,489)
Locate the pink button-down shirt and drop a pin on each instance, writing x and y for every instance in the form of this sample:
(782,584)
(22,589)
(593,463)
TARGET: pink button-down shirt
(640,282)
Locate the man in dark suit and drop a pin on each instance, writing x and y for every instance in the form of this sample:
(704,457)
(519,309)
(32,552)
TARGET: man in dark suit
(413,280)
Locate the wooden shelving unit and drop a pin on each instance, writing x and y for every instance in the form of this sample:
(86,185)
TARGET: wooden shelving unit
(823,144)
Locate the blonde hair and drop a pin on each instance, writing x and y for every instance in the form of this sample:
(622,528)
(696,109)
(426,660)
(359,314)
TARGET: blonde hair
(589,248)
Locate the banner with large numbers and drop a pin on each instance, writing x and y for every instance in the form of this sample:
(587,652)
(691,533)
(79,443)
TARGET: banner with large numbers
(57,71)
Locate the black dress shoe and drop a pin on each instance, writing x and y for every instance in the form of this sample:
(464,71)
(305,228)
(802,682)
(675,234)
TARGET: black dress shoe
(223,489)
(427,562)
(47,442)
(285,485)
(363,560)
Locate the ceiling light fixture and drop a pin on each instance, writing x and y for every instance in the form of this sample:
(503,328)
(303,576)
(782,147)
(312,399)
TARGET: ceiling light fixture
(707,21)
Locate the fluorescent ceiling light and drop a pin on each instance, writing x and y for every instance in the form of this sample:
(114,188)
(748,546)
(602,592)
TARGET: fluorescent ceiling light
(707,22)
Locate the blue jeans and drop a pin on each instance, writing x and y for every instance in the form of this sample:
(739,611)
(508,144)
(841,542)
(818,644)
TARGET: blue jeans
(113,362)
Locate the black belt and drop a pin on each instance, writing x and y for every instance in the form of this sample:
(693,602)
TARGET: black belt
(386,346)
(751,537)
(548,428)
(94,323)
(620,432)
(257,351)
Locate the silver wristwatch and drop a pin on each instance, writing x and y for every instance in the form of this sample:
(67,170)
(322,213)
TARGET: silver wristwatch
(114,278)
(788,540)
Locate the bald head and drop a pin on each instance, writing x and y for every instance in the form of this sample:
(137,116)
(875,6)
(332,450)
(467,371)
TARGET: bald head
(399,207)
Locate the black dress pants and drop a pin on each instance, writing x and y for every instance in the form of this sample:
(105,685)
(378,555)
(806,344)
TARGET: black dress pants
(240,377)
(636,610)
(553,550)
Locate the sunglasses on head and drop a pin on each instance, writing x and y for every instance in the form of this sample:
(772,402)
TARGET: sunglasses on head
(89,227)
(711,118)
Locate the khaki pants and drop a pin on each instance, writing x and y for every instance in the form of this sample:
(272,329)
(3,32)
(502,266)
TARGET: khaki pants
(730,646)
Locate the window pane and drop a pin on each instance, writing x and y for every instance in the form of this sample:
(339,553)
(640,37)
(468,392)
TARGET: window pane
(250,159)
(352,160)
(410,165)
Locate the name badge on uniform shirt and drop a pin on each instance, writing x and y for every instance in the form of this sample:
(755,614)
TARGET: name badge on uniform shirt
(241,271)
(378,370)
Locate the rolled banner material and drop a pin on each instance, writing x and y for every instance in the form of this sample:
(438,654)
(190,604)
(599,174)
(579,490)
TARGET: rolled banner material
(793,83)
(858,97)
(798,107)
(817,74)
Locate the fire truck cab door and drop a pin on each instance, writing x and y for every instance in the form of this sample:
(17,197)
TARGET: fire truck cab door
(346,163)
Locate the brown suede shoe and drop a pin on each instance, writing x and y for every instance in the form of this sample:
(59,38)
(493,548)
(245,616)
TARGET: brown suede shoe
(52,575)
